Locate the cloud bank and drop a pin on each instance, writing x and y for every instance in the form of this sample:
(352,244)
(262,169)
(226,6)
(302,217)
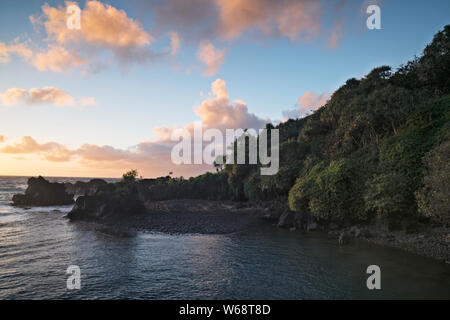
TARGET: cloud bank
(109,33)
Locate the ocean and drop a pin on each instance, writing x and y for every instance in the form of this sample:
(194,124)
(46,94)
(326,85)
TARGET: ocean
(37,245)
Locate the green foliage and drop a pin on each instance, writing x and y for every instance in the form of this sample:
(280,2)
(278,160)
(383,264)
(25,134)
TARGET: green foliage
(399,117)
(399,175)
(389,195)
(290,129)
(434,197)
(252,188)
(206,186)
(332,191)
(304,189)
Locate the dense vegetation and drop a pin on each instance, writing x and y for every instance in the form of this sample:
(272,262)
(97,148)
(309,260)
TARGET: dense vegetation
(379,149)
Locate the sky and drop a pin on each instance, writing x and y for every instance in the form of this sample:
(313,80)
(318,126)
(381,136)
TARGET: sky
(105,98)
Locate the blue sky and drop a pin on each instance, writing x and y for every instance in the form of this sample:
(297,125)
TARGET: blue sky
(268,72)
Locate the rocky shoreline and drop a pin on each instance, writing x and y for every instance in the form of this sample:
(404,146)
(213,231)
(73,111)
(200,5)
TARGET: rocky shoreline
(126,208)
(432,242)
(188,216)
(428,241)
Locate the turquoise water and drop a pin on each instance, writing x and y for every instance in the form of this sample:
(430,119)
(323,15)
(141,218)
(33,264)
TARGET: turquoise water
(37,245)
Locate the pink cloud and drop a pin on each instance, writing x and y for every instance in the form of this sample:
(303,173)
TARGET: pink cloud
(55,96)
(308,103)
(212,57)
(57,59)
(104,28)
(335,36)
(51,151)
(229,19)
(101,24)
(50,95)
(16,48)
(175,43)
(288,18)
(219,112)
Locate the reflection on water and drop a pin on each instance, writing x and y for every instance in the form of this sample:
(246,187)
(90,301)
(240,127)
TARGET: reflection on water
(37,246)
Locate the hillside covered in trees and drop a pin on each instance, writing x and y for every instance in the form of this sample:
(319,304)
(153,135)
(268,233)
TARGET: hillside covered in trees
(378,149)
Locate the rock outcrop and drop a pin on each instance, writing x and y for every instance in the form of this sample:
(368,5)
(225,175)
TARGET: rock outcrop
(112,201)
(84,188)
(41,193)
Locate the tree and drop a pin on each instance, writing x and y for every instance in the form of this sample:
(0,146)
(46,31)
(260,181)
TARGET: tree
(130,176)
(434,65)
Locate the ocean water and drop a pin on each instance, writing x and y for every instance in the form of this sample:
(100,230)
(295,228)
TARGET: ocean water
(37,246)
